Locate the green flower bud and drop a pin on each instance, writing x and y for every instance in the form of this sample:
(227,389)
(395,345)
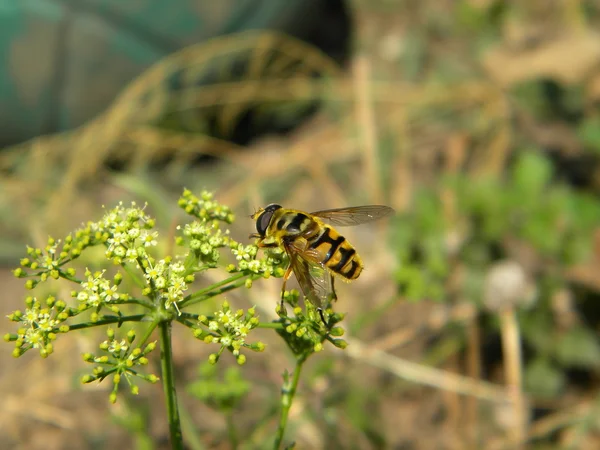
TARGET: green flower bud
(152,378)
(340,343)
(337,331)
(87,379)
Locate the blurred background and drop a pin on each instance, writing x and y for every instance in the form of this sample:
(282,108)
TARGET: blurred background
(475,323)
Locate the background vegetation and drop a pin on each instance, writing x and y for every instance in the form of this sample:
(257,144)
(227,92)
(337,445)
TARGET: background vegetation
(475,323)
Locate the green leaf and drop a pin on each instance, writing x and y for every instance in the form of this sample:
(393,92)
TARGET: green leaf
(589,133)
(537,330)
(543,379)
(579,347)
(222,394)
(531,174)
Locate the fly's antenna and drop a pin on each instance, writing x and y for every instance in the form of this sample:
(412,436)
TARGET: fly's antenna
(256,211)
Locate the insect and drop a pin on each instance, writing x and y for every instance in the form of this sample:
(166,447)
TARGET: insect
(317,252)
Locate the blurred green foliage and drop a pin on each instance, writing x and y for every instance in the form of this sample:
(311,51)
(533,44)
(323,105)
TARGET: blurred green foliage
(221,393)
(551,221)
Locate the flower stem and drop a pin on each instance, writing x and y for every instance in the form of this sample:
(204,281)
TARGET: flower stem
(148,332)
(231,431)
(287,397)
(236,281)
(107,320)
(168,377)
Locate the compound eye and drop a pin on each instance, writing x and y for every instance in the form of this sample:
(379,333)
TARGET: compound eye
(265,219)
(263,222)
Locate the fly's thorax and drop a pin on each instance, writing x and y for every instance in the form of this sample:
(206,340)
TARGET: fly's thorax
(292,223)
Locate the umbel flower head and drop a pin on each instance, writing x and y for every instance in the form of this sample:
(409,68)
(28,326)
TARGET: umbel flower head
(305,331)
(204,237)
(40,324)
(166,281)
(120,359)
(128,233)
(229,330)
(97,291)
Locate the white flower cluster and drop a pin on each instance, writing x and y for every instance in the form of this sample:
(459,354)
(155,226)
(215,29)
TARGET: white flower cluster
(39,325)
(230,330)
(205,238)
(97,290)
(168,280)
(129,233)
(269,265)
(205,207)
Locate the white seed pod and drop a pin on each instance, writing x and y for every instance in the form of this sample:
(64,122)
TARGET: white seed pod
(508,286)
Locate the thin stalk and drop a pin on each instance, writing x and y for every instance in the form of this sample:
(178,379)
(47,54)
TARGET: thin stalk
(148,332)
(231,431)
(193,440)
(137,301)
(474,372)
(108,321)
(288,392)
(205,293)
(168,377)
(511,348)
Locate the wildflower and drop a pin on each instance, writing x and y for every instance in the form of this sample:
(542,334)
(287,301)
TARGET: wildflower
(97,291)
(168,281)
(205,207)
(271,263)
(119,358)
(39,325)
(128,233)
(229,329)
(305,332)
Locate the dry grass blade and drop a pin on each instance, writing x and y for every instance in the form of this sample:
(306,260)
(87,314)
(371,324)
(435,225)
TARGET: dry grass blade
(430,376)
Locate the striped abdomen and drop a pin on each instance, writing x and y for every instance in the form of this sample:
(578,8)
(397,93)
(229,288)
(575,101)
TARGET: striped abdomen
(338,255)
(333,250)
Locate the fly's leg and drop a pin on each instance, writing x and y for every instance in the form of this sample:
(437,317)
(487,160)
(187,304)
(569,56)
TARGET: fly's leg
(286,277)
(323,317)
(333,294)
(331,298)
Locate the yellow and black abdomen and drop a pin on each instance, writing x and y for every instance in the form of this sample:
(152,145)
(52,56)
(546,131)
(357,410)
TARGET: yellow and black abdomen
(325,244)
(338,255)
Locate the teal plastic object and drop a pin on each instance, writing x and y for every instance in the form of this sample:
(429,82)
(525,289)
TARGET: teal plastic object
(65,61)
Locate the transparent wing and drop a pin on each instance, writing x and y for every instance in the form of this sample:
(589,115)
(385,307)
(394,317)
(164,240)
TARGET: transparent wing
(313,278)
(354,215)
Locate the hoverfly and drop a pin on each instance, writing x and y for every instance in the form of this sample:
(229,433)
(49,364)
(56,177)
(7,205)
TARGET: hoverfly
(317,252)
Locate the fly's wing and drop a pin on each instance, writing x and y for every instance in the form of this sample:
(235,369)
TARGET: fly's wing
(313,278)
(354,215)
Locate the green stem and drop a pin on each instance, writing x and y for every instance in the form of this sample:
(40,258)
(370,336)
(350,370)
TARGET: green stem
(148,332)
(287,397)
(66,276)
(213,290)
(168,377)
(231,432)
(136,301)
(108,320)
